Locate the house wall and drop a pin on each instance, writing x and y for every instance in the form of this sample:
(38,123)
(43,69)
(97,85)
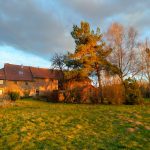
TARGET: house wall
(2,87)
(41,85)
(45,85)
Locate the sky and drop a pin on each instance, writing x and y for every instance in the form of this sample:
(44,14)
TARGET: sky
(32,31)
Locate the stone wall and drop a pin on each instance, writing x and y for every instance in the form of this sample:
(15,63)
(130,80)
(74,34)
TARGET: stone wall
(40,85)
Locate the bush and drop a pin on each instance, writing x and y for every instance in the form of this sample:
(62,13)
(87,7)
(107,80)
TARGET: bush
(26,94)
(73,96)
(14,95)
(84,94)
(50,96)
(145,90)
(113,93)
(132,92)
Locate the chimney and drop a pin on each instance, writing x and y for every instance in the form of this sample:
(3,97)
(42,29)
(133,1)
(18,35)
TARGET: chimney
(21,66)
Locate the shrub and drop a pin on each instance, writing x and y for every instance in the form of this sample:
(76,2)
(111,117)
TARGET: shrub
(73,96)
(53,96)
(132,92)
(113,93)
(50,96)
(14,95)
(84,94)
(145,90)
(26,94)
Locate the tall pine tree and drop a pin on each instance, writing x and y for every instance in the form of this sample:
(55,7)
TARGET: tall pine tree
(92,53)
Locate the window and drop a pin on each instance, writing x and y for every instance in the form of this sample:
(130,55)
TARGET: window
(37,92)
(1,81)
(20,72)
(1,91)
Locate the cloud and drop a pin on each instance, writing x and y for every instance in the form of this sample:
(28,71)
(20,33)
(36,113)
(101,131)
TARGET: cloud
(104,12)
(26,26)
(11,55)
(43,27)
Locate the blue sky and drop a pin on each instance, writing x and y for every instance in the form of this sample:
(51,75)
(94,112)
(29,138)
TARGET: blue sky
(14,56)
(32,31)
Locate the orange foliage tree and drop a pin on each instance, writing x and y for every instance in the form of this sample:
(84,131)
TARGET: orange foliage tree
(91,52)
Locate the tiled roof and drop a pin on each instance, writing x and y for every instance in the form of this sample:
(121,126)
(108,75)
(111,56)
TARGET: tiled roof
(41,73)
(25,73)
(56,73)
(2,74)
(17,72)
(45,73)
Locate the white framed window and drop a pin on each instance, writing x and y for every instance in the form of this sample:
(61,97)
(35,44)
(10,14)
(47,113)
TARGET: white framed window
(20,72)
(1,81)
(1,91)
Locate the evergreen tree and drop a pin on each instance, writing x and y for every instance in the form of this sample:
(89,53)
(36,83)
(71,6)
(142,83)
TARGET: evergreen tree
(91,52)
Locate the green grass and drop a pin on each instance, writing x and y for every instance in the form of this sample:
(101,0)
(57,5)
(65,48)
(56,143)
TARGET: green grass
(40,125)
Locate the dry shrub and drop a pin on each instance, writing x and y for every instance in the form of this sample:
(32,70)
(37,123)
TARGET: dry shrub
(113,93)
(61,96)
(26,94)
(89,94)
(84,94)
(73,96)
(133,93)
(52,96)
(145,90)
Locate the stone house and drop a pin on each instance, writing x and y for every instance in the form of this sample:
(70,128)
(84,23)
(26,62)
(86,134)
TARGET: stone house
(26,79)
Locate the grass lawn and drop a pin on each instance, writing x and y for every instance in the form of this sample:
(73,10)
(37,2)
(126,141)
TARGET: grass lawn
(40,125)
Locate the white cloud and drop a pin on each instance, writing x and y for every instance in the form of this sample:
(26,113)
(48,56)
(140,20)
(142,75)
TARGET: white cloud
(11,55)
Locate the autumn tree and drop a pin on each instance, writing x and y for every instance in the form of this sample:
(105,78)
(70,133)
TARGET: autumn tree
(91,52)
(123,42)
(145,61)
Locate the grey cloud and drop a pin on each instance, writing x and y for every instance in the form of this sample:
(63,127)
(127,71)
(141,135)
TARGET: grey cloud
(24,25)
(32,27)
(102,12)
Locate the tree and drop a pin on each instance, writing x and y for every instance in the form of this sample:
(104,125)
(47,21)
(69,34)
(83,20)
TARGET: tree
(69,68)
(133,94)
(58,62)
(91,52)
(145,61)
(123,42)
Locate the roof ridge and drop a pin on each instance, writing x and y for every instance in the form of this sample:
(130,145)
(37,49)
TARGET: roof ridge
(26,66)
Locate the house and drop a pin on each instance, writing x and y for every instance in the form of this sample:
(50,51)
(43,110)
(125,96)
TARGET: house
(26,79)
